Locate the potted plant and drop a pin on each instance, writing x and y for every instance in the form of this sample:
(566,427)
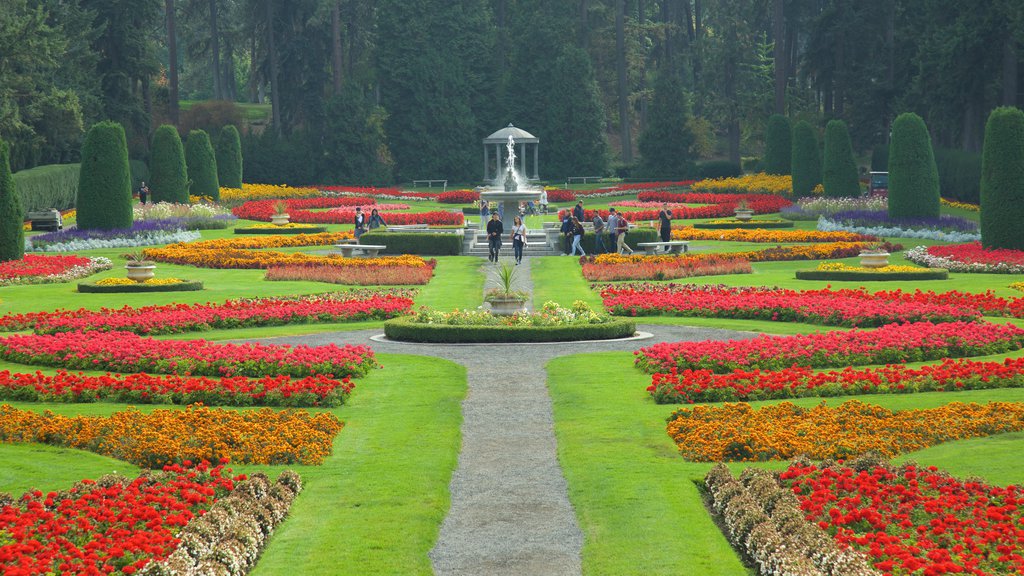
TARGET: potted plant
(874,256)
(743,211)
(279,217)
(504,300)
(138,268)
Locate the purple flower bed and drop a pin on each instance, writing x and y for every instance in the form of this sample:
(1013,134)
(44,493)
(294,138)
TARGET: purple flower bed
(878,218)
(168,225)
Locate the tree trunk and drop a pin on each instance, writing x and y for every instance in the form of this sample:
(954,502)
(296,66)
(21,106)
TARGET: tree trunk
(172,64)
(698,56)
(218,87)
(779,37)
(620,64)
(230,88)
(584,23)
(336,45)
(1009,71)
(254,80)
(275,94)
(666,18)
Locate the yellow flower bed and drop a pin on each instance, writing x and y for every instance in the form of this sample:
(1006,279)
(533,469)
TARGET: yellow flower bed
(744,222)
(760,183)
(279,226)
(1018,286)
(765,236)
(960,205)
(264,191)
(130,282)
(841,267)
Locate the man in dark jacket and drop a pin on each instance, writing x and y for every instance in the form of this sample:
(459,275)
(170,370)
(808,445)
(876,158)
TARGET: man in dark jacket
(578,211)
(494,231)
(566,231)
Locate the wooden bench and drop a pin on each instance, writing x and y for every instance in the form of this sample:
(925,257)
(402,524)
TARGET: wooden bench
(430,183)
(674,247)
(46,220)
(348,250)
(582,179)
(408,227)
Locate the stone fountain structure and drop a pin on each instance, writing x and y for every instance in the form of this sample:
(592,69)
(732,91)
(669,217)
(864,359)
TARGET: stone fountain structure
(510,186)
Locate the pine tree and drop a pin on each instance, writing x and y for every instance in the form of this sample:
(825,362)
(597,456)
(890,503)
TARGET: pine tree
(913,176)
(105,181)
(839,172)
(12,233)
(778,145)
(665,145)
(202,165)
(168,177)
(806,159)
(1002,180)
(229,157)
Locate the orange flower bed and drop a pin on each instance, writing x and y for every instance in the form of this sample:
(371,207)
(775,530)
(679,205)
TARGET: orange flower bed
(768,236)
(738,432)
(196,433)
(775,254)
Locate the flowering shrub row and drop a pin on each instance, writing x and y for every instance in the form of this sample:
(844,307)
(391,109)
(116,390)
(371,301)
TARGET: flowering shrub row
(738,432)
(315,390)
(768,236)
(263,209)
(111,526)
(550,314)
(718,205)
(39,269)
(895,231)
(810,209)
(241,252)
(893,343)
(168,210)
(127,352)
(605,268)
(971,257)
(458,197)
(960,205)
(263,436)
(261,191)
(760,183)
(381,275)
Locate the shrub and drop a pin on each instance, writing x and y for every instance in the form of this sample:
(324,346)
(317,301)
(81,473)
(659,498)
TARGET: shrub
(423,243)
(913,177)
(634,237)
(778,146)
(407,329)
(753,164)
(12,233)
(959,174)
(202,165)
(139,287)
(1002,181)
(880,158)
(45,187)
(211,116)
(806,160)
(856,276)
(839,172)
(168,177)
(104,183)
(229,157)
(719,169)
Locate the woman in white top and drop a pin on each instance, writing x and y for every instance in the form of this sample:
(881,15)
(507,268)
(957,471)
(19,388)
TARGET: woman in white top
(543,201)
(518,238)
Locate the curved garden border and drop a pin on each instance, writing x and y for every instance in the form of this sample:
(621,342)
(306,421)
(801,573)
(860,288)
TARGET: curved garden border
(282,230)
(851,276)
(93,288)
(405,330)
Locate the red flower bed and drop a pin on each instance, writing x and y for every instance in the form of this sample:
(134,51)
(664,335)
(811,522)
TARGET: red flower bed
(653,185)
(316,390)
(893,343)
(974,253)
(691,386)
(718,205)
(825,306)
(377,192)
(307,203)
(354,276)
(912,520)
(40,265)
(458,197)
(664,268)
(114,526)
(263,209)
(174,318)
(127,352)
(560,195)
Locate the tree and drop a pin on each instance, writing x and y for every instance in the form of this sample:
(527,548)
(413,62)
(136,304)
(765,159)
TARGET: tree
(806,159)
(202,166)
(354,146)
(168,177)
(104,183)
(229,157)
(1002,180)
(12,234)
(665,144)
(913,177)
(778,145)
(172,62)
(575,117)
(839,173)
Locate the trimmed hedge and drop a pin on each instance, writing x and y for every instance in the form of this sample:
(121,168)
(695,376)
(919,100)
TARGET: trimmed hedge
(806,159)
(45,187)
(913,176)
(405,329)
(167,173)
(303,230)
(104,199)
(839,171)
(421,243)
(12,216)
(753,224)
(851,276)
(778,146)
(1002,182)
(719,169)
(635,236)
(959,174)
(229,157)
(92,288)
(202,165)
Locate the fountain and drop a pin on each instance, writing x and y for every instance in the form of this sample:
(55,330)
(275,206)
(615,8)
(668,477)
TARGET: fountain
(509,189)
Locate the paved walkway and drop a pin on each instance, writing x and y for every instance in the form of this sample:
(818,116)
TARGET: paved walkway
(510,511)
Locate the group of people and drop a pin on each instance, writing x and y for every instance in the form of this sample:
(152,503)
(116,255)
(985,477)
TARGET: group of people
(616,228)
(495,231)
(363,223)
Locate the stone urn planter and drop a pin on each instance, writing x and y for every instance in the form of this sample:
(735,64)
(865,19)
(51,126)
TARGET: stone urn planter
(505,300)
(506,306)
(140,272)
(279,219)
(744,214)
(874,259)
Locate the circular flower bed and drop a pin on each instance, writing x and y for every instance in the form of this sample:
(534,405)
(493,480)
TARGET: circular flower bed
(844,272)
(121,285)
(281,229)
(743,224)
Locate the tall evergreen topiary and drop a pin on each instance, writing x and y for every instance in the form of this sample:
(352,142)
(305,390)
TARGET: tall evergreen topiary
(778,145)
(202,165)
(105,181)
(839,171)
(168,177)
(913,177)
(229,157)
(12,234)
(806,159)
(1002,180)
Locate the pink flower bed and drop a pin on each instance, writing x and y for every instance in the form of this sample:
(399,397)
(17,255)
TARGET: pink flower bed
(299,212)
(718,205)
(368,208)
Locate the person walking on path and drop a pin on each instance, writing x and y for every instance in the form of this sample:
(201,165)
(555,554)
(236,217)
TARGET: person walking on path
(665,216)
(494,231)
(577,236)
(375,220)
(578,211)
(613,224)
(566,231)
(143,192)
(598,234)
(621,229)
(543,201)
(484,211)
(518,239)
(360,222)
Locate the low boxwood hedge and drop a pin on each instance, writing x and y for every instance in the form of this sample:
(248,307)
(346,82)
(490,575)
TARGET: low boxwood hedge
(853,276)
(752,224)
(421,243)
(635,236)
(406,329)
(282,230)
(92,288)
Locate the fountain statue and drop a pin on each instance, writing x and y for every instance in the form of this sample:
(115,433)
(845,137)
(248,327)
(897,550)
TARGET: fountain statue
(510,164)
(510,190)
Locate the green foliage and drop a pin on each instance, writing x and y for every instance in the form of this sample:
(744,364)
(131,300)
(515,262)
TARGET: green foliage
(12,235)
(806,159)
(880,158)
(634,237)
(138,288)
(855,276)
(665,144)
(778,145)
(104,197)
(202,166)
(45,187)
(1002,180)
(719,169)
(168,177)
(406,329)
(355,149)
(959,174)
(913,177)
(139,171)
(211,116)
(839,171)
(229,158)
(423,243)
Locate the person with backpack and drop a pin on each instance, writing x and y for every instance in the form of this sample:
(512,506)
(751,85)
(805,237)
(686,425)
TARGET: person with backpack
(566,231)
(622,228)
(577,237)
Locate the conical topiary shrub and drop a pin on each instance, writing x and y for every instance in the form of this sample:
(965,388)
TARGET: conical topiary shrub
(12,216)
(806,159)
(778,145)
(839,172)
(913,177)
(1002,180)
(202,165)
(168,177)
(105,180)
(229,157)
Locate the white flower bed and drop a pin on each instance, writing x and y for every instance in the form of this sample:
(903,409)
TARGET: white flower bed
(143,239)
(920,255)
(165,210)
(826,225)
(95,265)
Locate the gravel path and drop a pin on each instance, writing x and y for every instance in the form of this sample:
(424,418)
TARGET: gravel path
(510,511)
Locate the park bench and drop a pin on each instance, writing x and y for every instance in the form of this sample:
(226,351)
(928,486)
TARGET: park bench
(582,179)
(407,227)
(430,183)
(46,220)
(349,250)
(675,247)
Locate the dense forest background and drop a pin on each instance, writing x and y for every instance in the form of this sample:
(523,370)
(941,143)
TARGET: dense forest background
(364,91)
